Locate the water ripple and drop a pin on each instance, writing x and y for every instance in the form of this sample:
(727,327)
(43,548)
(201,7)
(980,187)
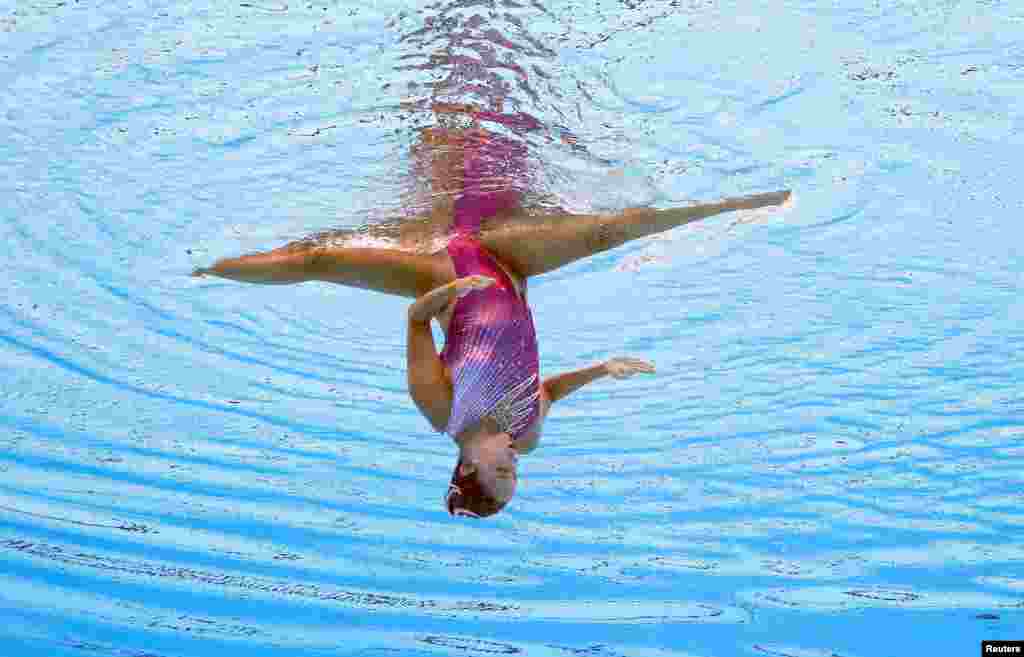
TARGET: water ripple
(829,454)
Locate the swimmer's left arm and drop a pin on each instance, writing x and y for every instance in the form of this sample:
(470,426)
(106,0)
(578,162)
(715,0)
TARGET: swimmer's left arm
(561,385)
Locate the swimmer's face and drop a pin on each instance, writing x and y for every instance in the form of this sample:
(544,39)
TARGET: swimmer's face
(495,464)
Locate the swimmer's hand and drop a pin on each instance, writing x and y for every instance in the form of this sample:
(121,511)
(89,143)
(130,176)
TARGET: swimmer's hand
(623,368)
(434,302)
(467,284)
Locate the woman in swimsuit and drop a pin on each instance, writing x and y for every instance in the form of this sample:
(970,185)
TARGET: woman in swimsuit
(484,388)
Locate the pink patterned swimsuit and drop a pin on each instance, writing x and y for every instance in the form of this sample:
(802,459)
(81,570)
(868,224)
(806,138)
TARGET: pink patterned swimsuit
(491,346)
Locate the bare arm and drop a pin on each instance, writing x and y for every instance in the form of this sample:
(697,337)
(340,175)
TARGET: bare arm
(557,387)
(432,303)
(561,385)
(429,384)
(428,381)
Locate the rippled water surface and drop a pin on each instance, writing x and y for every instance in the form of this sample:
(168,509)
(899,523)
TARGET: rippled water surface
(828,462)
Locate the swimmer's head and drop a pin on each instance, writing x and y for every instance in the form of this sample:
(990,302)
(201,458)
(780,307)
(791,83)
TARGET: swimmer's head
(485,477)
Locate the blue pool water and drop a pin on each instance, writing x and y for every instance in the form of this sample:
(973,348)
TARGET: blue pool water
(829,461)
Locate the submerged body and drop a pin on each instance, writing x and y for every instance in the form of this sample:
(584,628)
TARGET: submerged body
(484,388)
(490,340)
(490,348)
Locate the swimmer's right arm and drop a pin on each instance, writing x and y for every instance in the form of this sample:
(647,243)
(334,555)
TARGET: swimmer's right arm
(429,384)
(434,302)
(431,304)
(427,378)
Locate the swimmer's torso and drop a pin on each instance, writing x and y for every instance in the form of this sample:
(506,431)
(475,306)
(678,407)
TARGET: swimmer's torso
(491,349)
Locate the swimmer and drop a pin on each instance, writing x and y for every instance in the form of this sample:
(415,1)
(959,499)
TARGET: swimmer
(484,387)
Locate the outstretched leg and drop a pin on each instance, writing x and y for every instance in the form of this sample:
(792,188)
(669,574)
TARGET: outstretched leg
(384,270)
(542,244)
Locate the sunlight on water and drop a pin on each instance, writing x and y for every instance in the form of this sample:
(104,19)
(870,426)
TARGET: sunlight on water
(828,462)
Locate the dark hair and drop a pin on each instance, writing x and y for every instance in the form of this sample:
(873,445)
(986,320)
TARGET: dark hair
(466,497)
